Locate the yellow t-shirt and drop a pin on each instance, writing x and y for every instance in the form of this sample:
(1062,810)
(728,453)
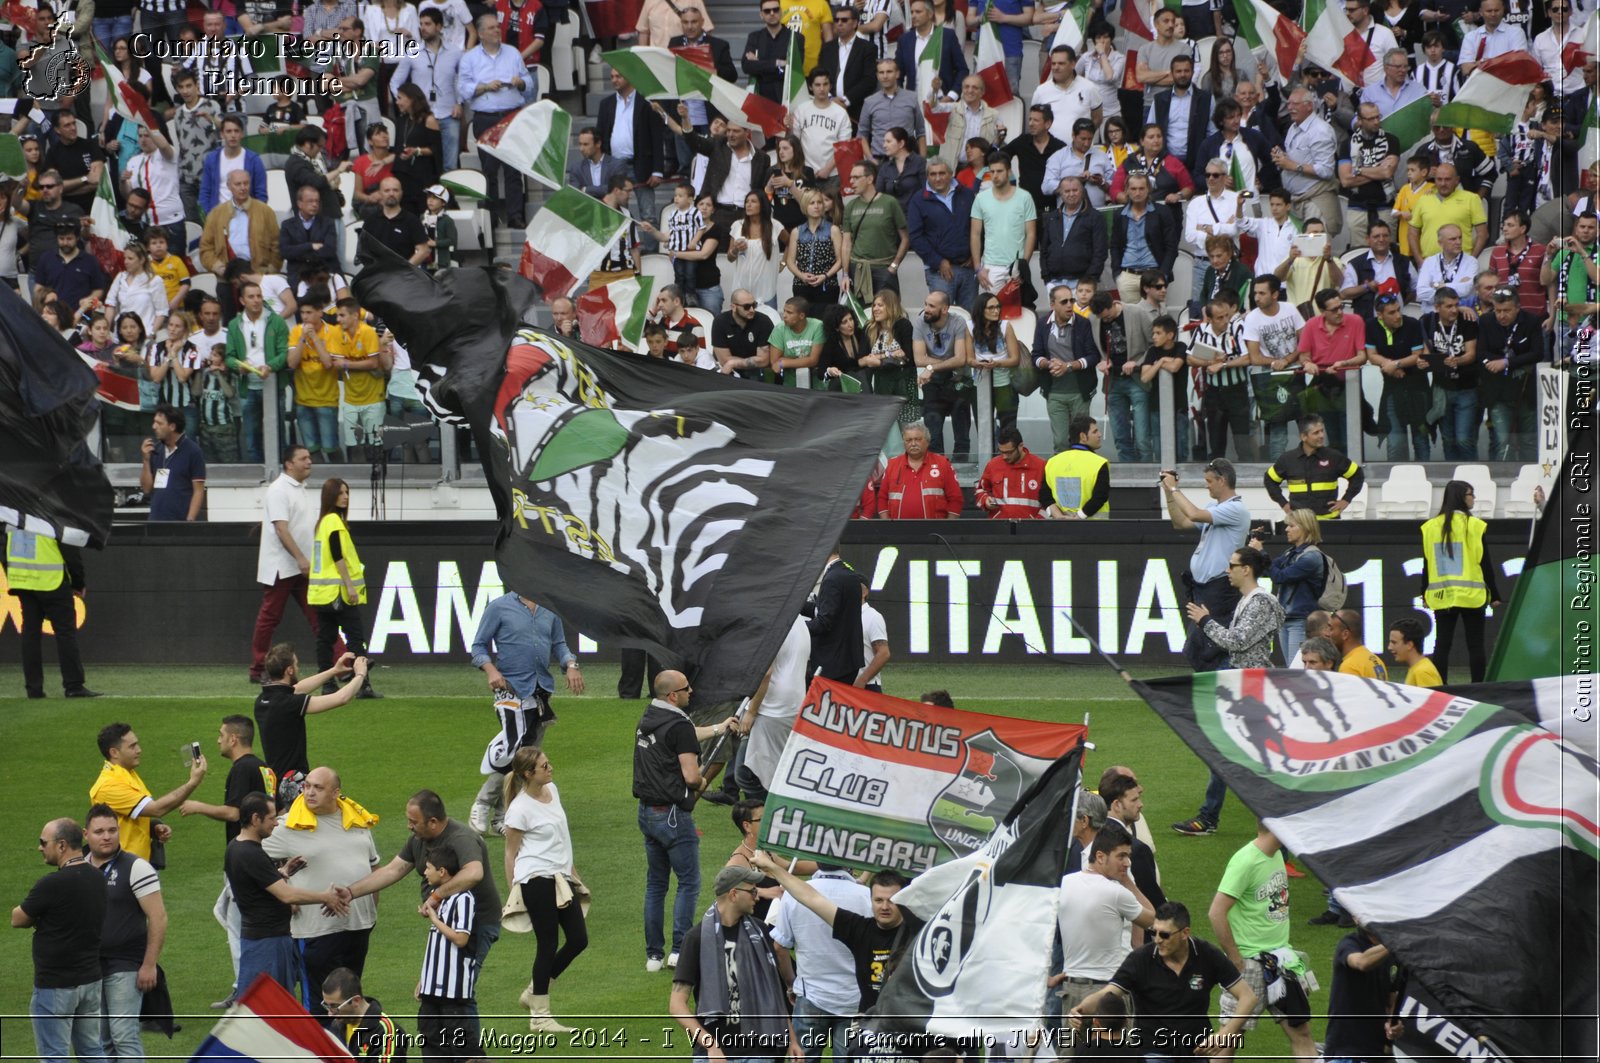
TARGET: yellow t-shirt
(173,273)
(314,383)
(806,17)
(1406,199)
(362,387)
(1424,674)
(125,792)
(1362,661)
(1463,208)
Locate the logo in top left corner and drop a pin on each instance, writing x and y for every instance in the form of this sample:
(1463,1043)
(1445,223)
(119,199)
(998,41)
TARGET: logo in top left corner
(54,66)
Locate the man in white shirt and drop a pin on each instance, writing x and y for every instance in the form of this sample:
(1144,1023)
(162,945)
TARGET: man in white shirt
(1495,37)
(766,723)
(874,645)
(1213,214)
(1098,906)
(1068,96)
(1308,163)
(155,169)
(1271,335)
(1448,269)
(826,996)
(820,123)
(210,331)
(283,560)
(1380,39)
(1079,159)
(1547,47)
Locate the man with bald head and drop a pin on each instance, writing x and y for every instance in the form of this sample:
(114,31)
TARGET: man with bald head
(1448,204)
(397,228)
(667,781)
(334,835)
(240,227)
(564,317)
(67,910)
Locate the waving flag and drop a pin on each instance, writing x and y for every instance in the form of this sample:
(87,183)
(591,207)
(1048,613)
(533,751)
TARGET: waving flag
(103,217)
(1334,45)
(532,140)
(928,64)
(794,71)
(1074,27)
(615,311)
(1260,25)
(658,74)
(1411,124)
(1438,820)
(613,18)
(638,499)
(1138,18)
(268,1025)
(13,164)
(125,97)
(937,120)
(991,66)
(567,240)
(1494,93)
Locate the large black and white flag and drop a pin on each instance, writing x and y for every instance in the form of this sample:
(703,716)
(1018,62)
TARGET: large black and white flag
(1462,831)
(50,483)
(649,504)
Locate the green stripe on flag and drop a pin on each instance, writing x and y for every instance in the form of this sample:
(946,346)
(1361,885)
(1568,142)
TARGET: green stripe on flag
(640,73)
(844,822)
(849,384)
(462,191)
(551,162)
(1471,116)
(12,165)
(1311,12)
(692,79)
(794,76)
(279,143)
(631,327)
(1411,124)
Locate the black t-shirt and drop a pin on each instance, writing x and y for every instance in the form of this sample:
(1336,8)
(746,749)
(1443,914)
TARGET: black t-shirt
(871,946)
(248,775)
(1181,1000)
(1448,342)
(1358,1003)
(663,734)
(250,871)
(281,718)
(728,1033)
(400,234)
(1114,341)
(68,909)
(707,272)
(1396,345)
(465,845)
(263,11)
(743,341)
(74,160)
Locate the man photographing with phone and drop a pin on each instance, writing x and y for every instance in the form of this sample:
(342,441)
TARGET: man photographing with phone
(120,788)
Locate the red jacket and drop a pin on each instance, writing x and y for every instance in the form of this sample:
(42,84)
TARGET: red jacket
(1014,487)
(928,493)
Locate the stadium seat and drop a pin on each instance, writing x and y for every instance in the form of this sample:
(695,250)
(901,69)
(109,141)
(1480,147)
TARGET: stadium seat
(347,189)
(1408,472)
(964,314)
(1485,490)
(1024,327)
(1519,496)
(191,236)
(352,237)
(1403,497)
(204,282)
(703,318)
(278,197)
(658,268)
(1357,510)
(770,314)
(1030,75)
(1012,114)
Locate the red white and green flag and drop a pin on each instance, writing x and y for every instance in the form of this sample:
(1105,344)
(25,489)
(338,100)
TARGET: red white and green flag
(103,214)
(1262,26)
(928,64)
(990,65)
(794,71)
(1138,17)
(533,140)
(128,101)
(658,74)
(567,240)
(1494,94)
(1333,44)
(937,121)
(1411,124)
(1074,28)
(616,311)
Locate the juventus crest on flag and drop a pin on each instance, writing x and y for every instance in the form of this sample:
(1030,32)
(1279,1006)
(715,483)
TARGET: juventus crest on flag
(647,503)
(1462,830)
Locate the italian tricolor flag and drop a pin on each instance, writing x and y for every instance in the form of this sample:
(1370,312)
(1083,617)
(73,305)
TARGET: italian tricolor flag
(103,214)
(1138,17)
(1493,96)
(1074,25)
(1333,44)
(567,240)
(616,311)
(991,65)
(928,64)
(128,101)
(1411,124)
(660,75)
(533,140)
(1260,25)
(794,71)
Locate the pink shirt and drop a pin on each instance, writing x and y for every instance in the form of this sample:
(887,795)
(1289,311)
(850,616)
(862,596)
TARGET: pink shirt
(1344,343)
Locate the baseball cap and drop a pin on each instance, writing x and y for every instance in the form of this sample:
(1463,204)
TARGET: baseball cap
(733,876)
(438,190)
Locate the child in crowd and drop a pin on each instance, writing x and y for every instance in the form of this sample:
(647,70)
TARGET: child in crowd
(655,340)
(447,1011)
(219,407)
(1415,187)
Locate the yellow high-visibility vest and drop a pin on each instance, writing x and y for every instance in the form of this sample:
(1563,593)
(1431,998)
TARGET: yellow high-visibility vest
(1071,475)
(326,584)
(1455,578)
(33,562)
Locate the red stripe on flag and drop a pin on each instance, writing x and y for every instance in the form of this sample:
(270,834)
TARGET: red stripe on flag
(1356,58)
(597,318)
(1133,20)
(1575,55)
(1514,797)
(1514,68)
(20,16)
(698,54)
(1287,37)
(996,90)
(613,18)
(550,275)
(763,112)
(1130,72)
(120,391)
(275,1006)
(138,105)
(491,136)
(938,121)
(846,153)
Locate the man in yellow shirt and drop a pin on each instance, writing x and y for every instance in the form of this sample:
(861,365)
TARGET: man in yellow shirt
(1405,646)
(1450,204)
(120,787)
(1344,630)
(354,347)
(316,382)
(813,20)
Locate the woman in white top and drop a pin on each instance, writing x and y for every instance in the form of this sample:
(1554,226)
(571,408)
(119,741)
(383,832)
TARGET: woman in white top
(137,290)
(538,851)
(755,249)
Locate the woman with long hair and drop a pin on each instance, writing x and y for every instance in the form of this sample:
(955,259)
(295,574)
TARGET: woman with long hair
(392,26)
(996,351)
(755,251)
(539,862)
(814,255)
(1114,141)
(842,347)
(1457,578)
(790,178)
(338,587)
(1404,19)
(1229,66)
(1256,619)
(137,290)
(889,354)
(13,240)
(1299,575)
(169,362)
(421,147)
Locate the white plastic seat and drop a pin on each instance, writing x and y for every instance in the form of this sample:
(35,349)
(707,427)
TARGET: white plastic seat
(278,197)
(657,268)
(1519,496)
(1403,472)
(204,282)
(1485,491)
(1404,497)
(704,319)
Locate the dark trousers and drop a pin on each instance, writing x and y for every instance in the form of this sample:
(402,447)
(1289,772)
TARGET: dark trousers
(274,599)
(1445,621)
(549,925)
(511,198)
(638,671)
(331,619)
(326,954)
(1221,598)
(448,1028)
(58,607)
(1227,409)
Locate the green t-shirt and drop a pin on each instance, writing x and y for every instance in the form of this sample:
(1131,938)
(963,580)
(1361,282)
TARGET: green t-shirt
(793,344)
(1004,224)
(874,228)
(1578,289)
(1259,886)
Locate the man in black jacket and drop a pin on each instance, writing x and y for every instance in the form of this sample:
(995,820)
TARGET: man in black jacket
(308,236)
(1072,240)
(766,53)
(1152,224)
(366,1031)
(644,144)
(735,169)
(858,78)
(1183,109)
(836,648)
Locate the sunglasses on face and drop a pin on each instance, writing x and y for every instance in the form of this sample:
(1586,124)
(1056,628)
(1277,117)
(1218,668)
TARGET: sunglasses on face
(1162,935)
(744,306)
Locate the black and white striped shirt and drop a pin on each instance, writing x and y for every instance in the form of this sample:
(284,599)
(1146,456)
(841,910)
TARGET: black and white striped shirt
(164,7)
(447,971)
(681,227)
(1231,343)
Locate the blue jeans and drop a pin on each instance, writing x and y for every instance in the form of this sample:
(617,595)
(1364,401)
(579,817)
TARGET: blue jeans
(484,935)
(1505,434)
(119,1030)
(818,1029)
(1421,445)
(250,425)
(1211,807)
(1129,407)
(1197,288)
(108,30)
(319,428)
(276,956)
(962,287)
(671,847)
(709,299)
(1290,635)
(450,133)
(1460,425)
(66,1022)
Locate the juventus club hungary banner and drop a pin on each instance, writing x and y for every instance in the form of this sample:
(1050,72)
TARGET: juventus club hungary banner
(1462,830)
(870,781)
(647,503)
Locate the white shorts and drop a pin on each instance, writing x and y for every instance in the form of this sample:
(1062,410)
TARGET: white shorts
(368,418)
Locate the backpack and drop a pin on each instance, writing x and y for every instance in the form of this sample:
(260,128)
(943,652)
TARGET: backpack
(1334,588)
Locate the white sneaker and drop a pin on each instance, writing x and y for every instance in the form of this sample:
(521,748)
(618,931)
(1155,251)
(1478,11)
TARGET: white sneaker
(479,819)
(672,960)
(652,965)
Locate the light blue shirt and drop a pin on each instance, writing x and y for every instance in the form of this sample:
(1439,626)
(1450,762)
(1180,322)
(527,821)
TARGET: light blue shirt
(1386,102)
(434,72)
(239,232)
(948,199)
(523,642)
(1178,117)
(622,129)
(478,67)
(1228,530)
(1137,256)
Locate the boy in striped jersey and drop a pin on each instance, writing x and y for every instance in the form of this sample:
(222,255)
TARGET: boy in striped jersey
(447,1012)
